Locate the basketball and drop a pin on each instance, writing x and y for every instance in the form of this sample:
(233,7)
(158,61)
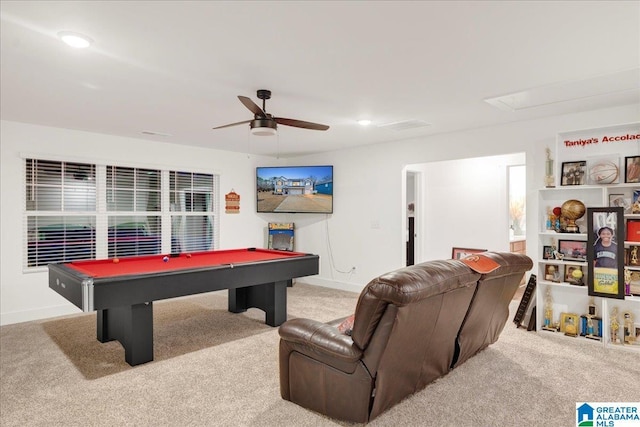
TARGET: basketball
(604,172)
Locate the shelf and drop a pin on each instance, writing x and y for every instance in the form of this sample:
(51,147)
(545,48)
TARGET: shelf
(564,285)
(563,235)
(566,297)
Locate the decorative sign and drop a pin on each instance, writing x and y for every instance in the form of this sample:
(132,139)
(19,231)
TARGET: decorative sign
(593,149)
(232,202)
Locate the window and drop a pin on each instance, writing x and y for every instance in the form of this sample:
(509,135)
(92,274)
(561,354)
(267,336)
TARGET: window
(192,206)
(517,201)
(77,211)
(60,211)
(133,206)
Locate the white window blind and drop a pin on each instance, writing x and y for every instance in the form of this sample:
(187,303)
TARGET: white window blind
(77,211)
(134,208)
(60,206)
(193,211)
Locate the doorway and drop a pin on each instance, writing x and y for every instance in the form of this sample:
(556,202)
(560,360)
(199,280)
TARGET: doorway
(412,180)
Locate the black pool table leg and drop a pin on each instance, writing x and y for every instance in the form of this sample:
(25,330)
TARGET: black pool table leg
(132,326)
(269,297)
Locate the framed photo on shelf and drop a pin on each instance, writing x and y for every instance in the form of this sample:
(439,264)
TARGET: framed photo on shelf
(634,283)
(635,205)
(605,257)
(616,200)
(569,324)
(547,252)
(573,274)
(459,253)
(632,169)
(552,273)
(632,256)
(573,250)
(603,170)
(573,173)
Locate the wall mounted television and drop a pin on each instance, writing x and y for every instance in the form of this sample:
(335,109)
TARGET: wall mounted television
(294,189)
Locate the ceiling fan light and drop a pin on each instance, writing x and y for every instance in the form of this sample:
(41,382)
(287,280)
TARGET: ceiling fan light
(263,132)
(263,127)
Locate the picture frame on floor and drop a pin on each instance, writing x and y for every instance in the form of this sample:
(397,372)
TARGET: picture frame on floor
(459,253)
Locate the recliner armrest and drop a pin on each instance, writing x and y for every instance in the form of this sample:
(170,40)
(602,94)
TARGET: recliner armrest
(321,342)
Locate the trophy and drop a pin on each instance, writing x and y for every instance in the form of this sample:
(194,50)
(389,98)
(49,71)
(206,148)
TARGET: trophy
(614,325)
(591,323)
(548,313)
(628,330)
(572,210)
(549,179)
(627,281)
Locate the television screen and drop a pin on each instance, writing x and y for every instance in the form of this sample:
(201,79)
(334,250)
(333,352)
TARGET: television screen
(295,189)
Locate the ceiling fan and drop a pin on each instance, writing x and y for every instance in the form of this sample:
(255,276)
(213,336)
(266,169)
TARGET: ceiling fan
(265,124)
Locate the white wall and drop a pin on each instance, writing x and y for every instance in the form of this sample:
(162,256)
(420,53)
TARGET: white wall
(370,191)
(26,296)
(456,198)
(366,230)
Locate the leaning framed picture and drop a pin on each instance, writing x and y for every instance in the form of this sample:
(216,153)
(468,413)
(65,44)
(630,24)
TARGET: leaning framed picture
(573,173)
(605,255)
(459,253)
(632,169)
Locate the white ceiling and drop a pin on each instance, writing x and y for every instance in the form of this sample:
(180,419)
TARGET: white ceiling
(177,67)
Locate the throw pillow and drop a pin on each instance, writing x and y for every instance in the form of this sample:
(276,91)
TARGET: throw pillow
(346,326)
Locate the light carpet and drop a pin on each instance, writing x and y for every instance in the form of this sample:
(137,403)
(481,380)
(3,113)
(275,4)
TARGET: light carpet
(215,368)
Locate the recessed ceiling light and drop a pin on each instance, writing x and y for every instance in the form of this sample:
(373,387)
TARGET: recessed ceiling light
(76,40)
(364,122)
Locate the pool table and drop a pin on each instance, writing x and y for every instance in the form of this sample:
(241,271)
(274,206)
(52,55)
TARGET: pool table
(122,290)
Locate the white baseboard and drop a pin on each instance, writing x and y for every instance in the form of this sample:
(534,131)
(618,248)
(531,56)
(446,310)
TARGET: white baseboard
(37,314)
(343,286)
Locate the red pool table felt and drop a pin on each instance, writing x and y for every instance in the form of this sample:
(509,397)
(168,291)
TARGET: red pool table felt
(154,263)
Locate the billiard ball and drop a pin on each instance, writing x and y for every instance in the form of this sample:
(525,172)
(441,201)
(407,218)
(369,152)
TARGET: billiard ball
(165,259)
(116,260)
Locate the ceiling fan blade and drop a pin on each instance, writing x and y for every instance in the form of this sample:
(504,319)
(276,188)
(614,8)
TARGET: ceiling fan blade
(252,106)
(232,124)
(300,124)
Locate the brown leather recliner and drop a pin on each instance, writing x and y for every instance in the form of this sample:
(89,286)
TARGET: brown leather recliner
(411,327)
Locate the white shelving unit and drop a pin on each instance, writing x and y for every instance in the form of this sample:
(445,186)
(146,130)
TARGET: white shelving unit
(571,298)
